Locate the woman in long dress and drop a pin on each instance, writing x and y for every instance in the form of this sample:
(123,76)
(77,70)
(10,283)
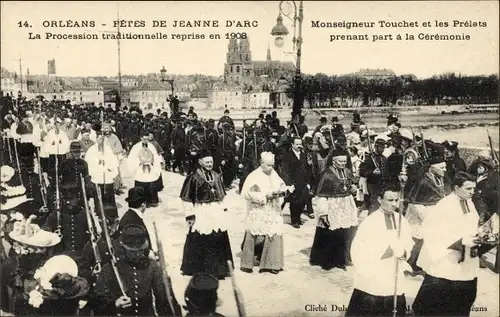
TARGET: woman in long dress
(336,212)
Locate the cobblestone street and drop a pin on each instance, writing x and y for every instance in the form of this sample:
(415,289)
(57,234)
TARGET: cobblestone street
(285,294)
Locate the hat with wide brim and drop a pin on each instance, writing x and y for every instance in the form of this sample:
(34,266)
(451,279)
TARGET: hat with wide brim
(12,196)
(41,239)
(65,286)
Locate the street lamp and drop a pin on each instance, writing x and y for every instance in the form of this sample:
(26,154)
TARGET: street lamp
(163,71)
(279,31)
(173,101)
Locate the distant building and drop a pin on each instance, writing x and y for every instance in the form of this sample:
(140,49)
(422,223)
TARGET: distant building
(9,83)
(408,78)
(375,73)
(255,100)
(49,91)
(241,69)
(226,97)
(51,67)
(86,95)
(154,95)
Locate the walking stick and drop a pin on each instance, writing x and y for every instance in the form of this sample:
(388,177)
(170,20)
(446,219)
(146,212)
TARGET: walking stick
(166,279)
(43,189)
(58,194)
(237,292)
(400,220)
(92,230)
(109,243)
(17,161)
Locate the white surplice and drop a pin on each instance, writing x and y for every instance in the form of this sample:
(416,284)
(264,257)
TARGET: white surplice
(263,217)
(56,143)
(103,165)
(445,224)
(135,167)
(374,275)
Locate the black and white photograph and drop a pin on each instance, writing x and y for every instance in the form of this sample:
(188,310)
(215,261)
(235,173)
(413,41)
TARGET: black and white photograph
(249,158)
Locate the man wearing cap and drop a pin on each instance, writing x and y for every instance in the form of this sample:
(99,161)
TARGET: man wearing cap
(225,119)
(454,163)
(227,146)
(400,144)
(71,221)
(144,163)
(201,296)
(141,278)
(178,145)
(163,137)
(103,168)
(212,142)
(375,169)
(72,168)
(195,141)
(207,248)
(337,214)
(450,253)
(85,141)
(425,188)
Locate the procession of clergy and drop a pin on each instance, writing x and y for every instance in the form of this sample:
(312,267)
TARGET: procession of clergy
(66,251)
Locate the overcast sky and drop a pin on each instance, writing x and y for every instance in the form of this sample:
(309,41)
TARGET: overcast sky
(480,55)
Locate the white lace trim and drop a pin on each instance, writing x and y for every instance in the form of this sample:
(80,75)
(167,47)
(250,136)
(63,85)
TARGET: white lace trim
(342,212)
(264,219)
(210,217)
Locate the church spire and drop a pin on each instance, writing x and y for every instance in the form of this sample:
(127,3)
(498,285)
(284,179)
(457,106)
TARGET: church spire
(268,58)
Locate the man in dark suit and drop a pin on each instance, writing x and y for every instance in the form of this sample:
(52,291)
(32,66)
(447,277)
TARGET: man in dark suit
(376,171)
(135,214)
(297,172)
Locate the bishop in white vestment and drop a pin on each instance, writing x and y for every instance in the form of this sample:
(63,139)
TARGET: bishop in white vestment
(263,190)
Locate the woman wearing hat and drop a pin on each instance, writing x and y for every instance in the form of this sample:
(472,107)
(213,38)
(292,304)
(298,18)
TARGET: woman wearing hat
(337,214)
(454,163)
(58,290)
(32,246)
(480,169)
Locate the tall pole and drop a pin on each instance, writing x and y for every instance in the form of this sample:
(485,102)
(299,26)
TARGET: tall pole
(21,72)
(119,99)
(298,99)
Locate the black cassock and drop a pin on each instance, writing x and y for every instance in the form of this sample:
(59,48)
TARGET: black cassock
(207,253)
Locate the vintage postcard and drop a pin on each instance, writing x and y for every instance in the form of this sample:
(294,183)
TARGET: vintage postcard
(249,158)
